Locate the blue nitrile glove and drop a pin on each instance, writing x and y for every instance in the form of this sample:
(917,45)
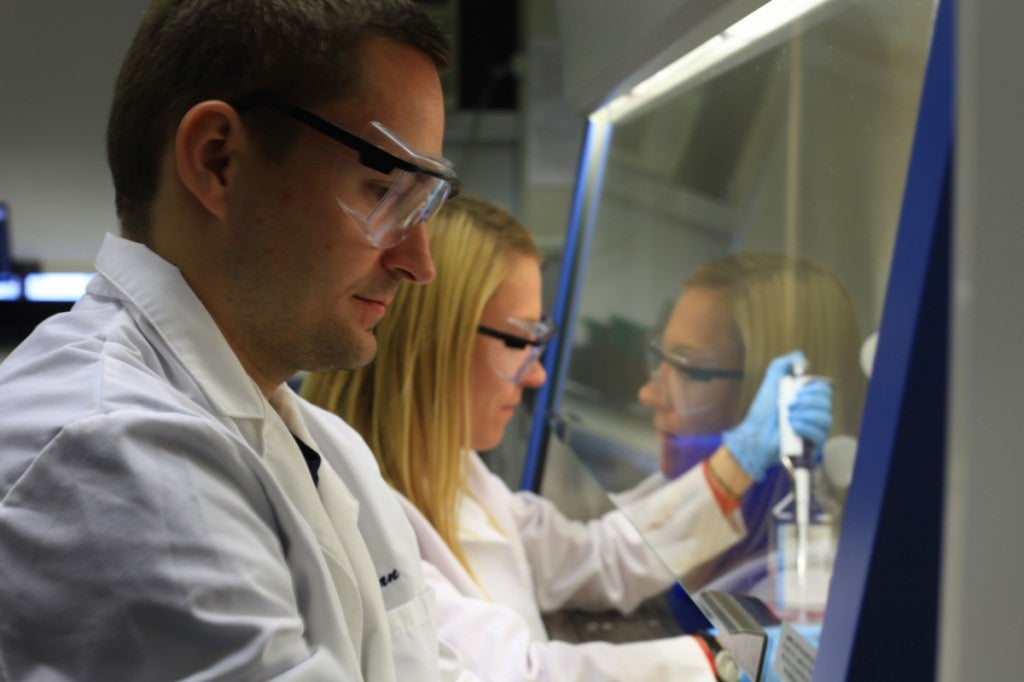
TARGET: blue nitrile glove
(754,442)
(810,414)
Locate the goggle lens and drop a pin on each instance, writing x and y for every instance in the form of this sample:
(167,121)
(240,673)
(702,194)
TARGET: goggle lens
(387,205)
(514,358)
(686,382)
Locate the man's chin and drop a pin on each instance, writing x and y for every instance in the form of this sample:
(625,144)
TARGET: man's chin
(360,359)
(351,352)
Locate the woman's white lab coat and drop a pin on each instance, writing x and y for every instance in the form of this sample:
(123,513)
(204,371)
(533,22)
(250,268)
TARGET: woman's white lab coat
(528,558)
(158,521)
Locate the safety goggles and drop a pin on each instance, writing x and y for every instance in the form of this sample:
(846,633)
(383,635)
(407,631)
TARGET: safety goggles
(516,354)
(683,379)
(401,188)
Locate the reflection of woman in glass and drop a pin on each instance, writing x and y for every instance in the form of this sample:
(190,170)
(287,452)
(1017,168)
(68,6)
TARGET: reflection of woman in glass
(735,314)
(452,362)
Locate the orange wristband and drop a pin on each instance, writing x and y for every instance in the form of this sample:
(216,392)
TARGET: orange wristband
(706,648)
(727,501)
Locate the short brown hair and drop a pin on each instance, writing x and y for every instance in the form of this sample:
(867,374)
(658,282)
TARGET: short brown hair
(188,51)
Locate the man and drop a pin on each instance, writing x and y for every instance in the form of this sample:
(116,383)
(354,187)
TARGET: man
(168,507)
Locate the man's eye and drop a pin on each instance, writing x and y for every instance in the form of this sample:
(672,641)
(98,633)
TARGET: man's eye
(378,190)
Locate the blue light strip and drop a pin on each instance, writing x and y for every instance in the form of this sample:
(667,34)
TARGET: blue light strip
(556,358)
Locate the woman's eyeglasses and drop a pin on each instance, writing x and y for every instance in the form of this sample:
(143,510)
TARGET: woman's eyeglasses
(517,354)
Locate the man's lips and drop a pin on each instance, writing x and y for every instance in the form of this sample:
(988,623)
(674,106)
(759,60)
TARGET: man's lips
(377,304)
(379,300)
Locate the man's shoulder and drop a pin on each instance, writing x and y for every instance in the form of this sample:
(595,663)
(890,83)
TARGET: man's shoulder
(82,364)
(77,378)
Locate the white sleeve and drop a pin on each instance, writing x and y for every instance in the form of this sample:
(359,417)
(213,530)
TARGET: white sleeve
(682,520)
(146,549)
(627,555)
(481,640)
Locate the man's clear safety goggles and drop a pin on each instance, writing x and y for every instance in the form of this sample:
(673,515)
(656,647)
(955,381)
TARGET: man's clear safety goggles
(514,357)
(682,379)
(403,187)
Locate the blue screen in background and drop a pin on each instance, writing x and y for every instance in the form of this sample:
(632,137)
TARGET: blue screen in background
(10,287)
(55,286)
(59,287)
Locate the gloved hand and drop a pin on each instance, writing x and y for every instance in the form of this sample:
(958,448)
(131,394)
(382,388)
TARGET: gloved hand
(754,442)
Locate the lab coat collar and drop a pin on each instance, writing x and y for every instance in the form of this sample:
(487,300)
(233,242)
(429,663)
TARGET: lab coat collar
(131,272)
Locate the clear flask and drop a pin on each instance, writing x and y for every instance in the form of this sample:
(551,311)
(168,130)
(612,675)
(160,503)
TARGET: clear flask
(801,563)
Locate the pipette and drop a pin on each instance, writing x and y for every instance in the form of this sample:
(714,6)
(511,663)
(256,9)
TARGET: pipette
(797,458)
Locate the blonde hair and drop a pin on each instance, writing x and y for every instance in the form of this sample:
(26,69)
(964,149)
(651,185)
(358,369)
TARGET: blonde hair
(779,303)
(412,404)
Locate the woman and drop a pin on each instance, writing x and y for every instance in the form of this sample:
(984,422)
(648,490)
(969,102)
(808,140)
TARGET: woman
(735,314)
(454,359)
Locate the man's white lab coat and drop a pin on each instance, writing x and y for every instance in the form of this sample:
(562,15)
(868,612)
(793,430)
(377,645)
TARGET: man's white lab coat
(158,521)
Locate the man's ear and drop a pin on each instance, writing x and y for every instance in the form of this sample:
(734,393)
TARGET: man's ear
(205,152)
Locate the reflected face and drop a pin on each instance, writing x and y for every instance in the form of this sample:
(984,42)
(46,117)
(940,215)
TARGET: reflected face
(700,330)
(494,399)
(308,287)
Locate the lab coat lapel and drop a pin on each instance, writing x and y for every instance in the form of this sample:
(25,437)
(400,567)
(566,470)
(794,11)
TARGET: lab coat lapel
(333,513)
(343,510)
(285,460)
